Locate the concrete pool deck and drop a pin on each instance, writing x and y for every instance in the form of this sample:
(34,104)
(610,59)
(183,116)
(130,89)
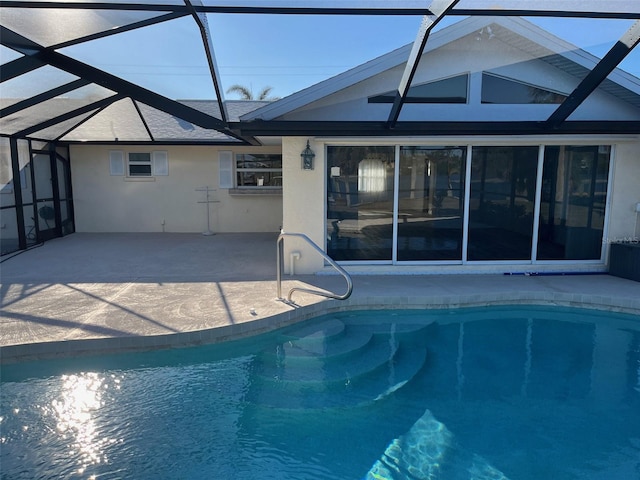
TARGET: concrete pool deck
(96,293)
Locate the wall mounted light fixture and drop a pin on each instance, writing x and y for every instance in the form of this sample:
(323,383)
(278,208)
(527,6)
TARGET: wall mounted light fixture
(307,157)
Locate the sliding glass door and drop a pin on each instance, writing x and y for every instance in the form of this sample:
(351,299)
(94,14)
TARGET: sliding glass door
(572,208)
(501,203)
(419,204)
(431,203)
(360,191)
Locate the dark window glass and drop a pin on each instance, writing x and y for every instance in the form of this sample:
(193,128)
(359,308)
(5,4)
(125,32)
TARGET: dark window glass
(502,90)
(259,179)
(42,176)
(258,161)
(360,202)
(431,203)
(140,157)
(572,207)
(140,170)
(448,90)
(140,164)
(259,170)
(62,178)
(502,197)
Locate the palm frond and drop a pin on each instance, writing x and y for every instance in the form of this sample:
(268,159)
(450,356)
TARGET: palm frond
(244,92)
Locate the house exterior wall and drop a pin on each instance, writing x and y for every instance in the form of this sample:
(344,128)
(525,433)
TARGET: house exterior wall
(303,208)
(304,200)
(106,203)
(624,220)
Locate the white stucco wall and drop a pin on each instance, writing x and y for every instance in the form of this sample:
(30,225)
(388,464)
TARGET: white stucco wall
(105,203)
(304,207)
(624,221)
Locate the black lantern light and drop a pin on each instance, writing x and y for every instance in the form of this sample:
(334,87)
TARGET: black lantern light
(307,158)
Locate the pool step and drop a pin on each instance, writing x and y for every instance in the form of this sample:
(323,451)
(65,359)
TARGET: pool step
(321,370)
(380,324)
(340,346)
(316,333)
(378,385)
(350,391)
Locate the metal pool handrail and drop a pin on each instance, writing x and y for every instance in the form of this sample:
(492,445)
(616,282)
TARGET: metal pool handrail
(331,262)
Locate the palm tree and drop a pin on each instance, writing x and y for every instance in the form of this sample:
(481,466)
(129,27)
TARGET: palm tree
(246,93)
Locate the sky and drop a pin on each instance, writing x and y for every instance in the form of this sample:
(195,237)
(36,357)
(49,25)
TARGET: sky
(285,52)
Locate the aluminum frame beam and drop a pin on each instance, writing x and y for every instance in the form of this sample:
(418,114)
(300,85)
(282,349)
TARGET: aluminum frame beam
(597,75)
(29,48)
(18,67)
(43,97)
(124,28)
(50,122)
(474,12)
(439,9)
(203,26)
(432,128)
(521,12)
(160,7)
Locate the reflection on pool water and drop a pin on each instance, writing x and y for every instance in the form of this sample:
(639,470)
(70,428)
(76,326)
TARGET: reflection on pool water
(477,393)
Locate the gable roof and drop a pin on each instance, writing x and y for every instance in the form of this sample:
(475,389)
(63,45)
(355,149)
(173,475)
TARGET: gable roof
(517,32)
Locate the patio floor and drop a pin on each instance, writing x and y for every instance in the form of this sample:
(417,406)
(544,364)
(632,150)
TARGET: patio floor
(89,293)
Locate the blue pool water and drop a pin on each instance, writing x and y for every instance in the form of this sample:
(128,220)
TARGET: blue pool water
(484,393)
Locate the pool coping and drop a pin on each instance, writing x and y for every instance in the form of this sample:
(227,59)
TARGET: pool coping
(11,354)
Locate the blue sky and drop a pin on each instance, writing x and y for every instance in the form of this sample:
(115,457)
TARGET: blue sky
(287,52)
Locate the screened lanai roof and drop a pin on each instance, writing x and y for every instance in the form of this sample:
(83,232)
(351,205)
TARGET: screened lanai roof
(158,71)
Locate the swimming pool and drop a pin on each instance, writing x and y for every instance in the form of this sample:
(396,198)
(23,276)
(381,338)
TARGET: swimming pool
(484,393)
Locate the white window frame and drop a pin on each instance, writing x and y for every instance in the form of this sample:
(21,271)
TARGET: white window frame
(133,163)
(158,164)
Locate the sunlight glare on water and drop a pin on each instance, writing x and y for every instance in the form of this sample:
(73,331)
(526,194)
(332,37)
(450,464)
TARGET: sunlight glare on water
(80,398)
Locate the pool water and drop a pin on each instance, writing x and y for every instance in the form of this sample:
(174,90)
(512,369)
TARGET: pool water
(478,393)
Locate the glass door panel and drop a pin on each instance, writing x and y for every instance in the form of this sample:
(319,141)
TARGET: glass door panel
(44,195)
(574,191)
(64,192)
(360,182)
(431,203)
(501,204)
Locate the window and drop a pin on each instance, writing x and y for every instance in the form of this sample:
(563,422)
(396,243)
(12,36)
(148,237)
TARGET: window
(259,170)
(140,164)
(507,91)
(447,90)
(144,164)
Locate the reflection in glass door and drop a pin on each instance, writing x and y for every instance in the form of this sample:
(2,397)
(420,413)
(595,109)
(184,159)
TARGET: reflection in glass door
(431,203)
(572,209)
(501,203)
(360,185)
